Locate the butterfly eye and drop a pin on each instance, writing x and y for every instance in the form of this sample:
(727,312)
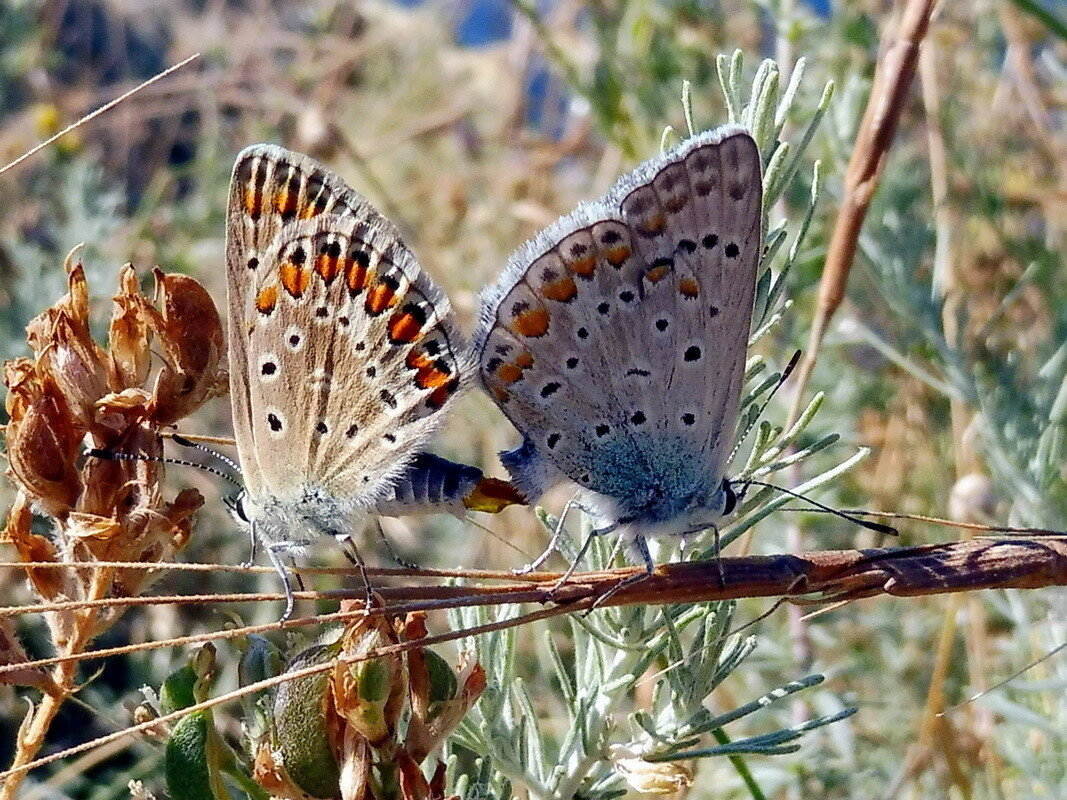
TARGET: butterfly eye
(236,506)
(730,501)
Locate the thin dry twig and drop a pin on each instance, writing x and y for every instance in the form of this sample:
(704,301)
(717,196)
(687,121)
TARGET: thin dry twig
(813,577)
(819,576)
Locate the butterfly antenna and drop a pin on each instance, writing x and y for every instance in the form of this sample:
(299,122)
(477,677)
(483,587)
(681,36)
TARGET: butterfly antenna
(748,429)
(951,523)
(203,448)
(877,527)
(111,455)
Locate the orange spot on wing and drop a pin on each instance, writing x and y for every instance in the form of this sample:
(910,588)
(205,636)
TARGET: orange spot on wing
(403,327)
(675,203)
(253,200)
(380,297)
(267,299)
(560,290)
(429,374)
(328,266)
(652,225)
(417,360)
(584,266)
(286,201)
(524,360)
(309,210)
(656,274)
(689,287)
(295,279)
(502,395)
(616,256)
(433,378)
(439,396)
(356,275)
(530,323)
(508,373)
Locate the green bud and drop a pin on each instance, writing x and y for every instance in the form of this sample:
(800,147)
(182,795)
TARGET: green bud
(300,730)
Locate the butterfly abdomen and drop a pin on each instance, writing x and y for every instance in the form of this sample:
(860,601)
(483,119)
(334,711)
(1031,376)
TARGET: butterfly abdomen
(430,484)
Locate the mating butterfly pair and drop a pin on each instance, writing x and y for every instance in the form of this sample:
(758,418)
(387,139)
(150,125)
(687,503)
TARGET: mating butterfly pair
(614,340)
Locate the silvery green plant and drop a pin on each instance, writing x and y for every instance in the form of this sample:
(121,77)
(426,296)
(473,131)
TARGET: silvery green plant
(1018,394)
(76,209)
(605,744)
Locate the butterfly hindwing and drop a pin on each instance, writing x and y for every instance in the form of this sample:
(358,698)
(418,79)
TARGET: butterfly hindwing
(700,216)
(616,339)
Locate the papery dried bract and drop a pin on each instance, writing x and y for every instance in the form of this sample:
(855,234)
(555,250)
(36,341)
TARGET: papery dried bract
(66,352)
(189,329)
(103,509)
(650,777)
(117,412)
(370,693)
(43,440)
(439,698)
(31,547)
(413,784)
(109,482)
(357,762)
(268,770)
(12,654)
(357,713)
(129,335)
(107,510)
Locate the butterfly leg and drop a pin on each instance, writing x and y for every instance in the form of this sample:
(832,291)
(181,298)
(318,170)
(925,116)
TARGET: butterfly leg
(593,534)
(718,546)
(389,547)
(352,554)
(274,552)
(253,550)
(557,534)
(642,549)
(718,557)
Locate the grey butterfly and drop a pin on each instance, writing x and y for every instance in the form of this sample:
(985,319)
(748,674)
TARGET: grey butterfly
(615,340)
(344,356)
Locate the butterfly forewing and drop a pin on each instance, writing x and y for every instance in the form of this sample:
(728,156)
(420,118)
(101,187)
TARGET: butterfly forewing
(616,340)
(342,350)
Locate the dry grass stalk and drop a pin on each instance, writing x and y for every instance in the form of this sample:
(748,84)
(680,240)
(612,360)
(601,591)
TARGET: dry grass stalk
(892,82)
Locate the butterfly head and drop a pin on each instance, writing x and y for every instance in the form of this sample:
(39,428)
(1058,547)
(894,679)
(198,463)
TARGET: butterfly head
(668,516)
